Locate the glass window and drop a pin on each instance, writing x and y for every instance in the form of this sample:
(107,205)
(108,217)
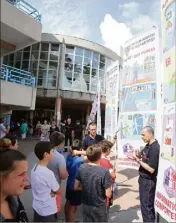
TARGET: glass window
(76,85)
(69,58)
(33,65)
(102,58)
(95,64)
(11,57)
(44,46)
(78,60)
(87,61)
(44,55)
(34,72)
(54,47)
(5,59)
(95,56)
(11,63)
(52,74)
(54,55)
(77,68)
(34,55)
(101,74)
(43,64)
(69,76)
(86,79)
(87,53)
(79,51)
(53,65)
(102,66)
(18,64)
(35,47)
(94,72)
(18,55)
(25,65)
(42,74)
(26,55)
(27,48)
(70,49)
(51,83)
(86,69)
(68,67)
(41,82)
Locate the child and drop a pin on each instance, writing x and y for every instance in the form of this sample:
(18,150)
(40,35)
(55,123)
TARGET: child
(95,183)
(58,164)
(44,185)
(104,162)
(74,198)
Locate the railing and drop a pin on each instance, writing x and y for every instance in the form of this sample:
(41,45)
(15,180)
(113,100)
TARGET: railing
(26,8)
(18,76)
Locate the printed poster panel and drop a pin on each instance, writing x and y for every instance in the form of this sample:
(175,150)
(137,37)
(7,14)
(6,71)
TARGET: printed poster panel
(140,93)
(112,98)
(165,198)
(169,50)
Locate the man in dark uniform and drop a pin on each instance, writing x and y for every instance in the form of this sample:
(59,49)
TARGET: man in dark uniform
(69,131)
(93,137)
(148,159)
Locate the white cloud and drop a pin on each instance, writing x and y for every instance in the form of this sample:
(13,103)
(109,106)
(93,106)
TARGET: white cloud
(115,33)
(63,17)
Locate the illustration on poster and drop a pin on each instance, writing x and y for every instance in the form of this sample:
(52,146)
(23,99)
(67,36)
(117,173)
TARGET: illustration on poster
(140,73)
(169,154)
(170,182)
(131,125)
(139,98)
(170,26)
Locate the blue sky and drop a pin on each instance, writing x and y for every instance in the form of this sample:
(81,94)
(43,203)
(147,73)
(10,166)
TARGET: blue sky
(107,22)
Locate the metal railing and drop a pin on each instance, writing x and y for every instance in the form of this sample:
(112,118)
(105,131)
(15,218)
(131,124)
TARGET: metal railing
(17,76)
(26,8)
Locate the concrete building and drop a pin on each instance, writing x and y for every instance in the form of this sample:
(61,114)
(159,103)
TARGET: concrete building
(20,26)
(67,70)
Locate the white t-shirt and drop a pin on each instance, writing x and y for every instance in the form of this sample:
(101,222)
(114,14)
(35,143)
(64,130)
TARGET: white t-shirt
(2,129)
(43,182)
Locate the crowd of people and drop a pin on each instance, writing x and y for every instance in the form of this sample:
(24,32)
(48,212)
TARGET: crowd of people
(89,173)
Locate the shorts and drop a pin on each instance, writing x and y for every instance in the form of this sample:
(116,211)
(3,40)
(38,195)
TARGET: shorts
(59,202)
(23,136)
(95,213)
(49,218)
(75,197)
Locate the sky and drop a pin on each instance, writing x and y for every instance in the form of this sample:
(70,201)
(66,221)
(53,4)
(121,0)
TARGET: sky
(107,22)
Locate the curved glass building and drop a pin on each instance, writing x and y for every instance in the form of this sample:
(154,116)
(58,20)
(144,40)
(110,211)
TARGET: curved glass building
(67,70)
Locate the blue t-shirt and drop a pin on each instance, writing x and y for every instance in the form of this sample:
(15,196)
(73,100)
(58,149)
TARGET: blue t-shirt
(73,163)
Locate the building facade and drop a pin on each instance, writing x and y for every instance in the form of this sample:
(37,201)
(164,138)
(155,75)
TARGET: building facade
(18,21)
(67,70)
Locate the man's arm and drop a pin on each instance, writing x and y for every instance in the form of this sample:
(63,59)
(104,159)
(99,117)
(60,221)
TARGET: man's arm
(62,168)
(78,185)
(6,131)
(108,192)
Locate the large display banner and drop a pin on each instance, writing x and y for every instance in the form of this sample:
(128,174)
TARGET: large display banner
(140,93)
(112,99)
(165,199)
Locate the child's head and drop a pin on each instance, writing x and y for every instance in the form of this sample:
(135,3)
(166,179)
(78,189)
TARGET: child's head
(106,146)
(94,153)
(77,145)
(57,139)
(43,150)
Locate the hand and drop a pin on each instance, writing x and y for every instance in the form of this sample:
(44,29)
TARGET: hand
(74,153)
(52,194)
(135,158)
(137,153)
